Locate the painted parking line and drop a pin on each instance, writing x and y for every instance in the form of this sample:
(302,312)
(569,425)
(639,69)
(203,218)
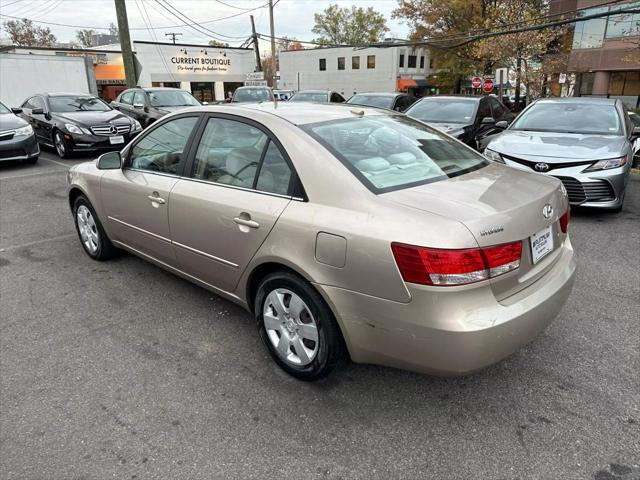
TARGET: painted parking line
(25,175)
(37,242)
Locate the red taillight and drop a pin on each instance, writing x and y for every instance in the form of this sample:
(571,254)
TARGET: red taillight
(434,266)
(564,220)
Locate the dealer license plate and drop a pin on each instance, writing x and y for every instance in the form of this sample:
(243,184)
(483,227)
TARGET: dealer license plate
(117,140)
(541,244)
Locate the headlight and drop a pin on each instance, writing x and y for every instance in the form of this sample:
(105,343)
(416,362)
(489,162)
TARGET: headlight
(73,128)
(493,156)
(136,126)
(24,131)
(607,164)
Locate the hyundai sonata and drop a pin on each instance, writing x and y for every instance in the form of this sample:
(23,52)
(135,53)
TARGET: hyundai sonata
(345,231)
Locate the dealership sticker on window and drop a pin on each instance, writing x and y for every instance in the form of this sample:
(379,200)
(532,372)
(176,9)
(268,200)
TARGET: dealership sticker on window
(541,244)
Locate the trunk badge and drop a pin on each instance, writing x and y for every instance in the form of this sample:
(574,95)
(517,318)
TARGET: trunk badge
(547,211)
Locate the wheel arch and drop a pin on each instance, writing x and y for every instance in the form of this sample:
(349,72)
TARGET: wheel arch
(74,193)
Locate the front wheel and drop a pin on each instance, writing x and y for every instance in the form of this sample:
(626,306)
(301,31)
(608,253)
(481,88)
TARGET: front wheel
(62,146)
(297,327)
(94,240)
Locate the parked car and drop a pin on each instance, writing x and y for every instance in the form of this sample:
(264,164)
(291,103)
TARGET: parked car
(585,142)
(317,96)
(283,95)
(17,139)
(635,119)
(470,119)
(392,101)
(253,95)
(147,105)
(75,122)
(365,232)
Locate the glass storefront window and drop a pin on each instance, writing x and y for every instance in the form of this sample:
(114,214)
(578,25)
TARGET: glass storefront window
(586,83)
(590,33)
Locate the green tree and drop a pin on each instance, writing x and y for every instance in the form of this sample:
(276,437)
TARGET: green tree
(85,37)
(216,43)
(349,26)
(25,34)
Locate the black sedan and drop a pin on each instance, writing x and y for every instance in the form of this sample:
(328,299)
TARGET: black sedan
(73,122)
(17,140)
(146,105)
(470,119)
(392,101)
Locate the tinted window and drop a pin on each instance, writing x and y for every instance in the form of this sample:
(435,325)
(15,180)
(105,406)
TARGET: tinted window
(170,98)
(252,94)
(70,103)
(382,101)
(392,152)
(322,64)
(319,97)
(440,110)
(484,110)
(496,108)
(275,174)
(127,97)
(570,118)
(229,152)
(161,149)
(337,98)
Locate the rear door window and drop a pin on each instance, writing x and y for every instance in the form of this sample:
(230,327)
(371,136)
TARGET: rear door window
(127,97)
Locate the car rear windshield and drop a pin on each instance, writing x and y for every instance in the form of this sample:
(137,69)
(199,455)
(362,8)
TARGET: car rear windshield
(443,110)
(77,104)
(171,98)
(388,152)
(380,101)
(309,97)
(252,95)
(570,118)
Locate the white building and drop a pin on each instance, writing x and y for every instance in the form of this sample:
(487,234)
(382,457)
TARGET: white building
(207,72)
(351,70)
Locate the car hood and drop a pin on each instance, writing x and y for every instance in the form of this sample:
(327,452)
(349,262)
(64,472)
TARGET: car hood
(9,121)
(571,146)
(88,119)
(498,204)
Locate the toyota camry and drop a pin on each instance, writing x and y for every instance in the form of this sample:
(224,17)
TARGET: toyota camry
(348,232)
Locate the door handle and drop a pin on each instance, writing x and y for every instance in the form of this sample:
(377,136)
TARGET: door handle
(155,198)
(247,222)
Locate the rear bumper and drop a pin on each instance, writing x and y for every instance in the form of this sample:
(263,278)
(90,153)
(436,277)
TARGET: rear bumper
(19,148)
(452,331)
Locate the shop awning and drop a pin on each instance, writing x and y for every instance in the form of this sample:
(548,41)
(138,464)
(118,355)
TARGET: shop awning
(111,72)
(405,83)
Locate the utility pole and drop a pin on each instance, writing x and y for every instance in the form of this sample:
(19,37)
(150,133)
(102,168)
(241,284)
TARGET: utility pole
(273,46)
(254,35)
(125,44)
(173,36)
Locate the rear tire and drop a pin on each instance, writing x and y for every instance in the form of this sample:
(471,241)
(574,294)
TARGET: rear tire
(92,236)
(297,327)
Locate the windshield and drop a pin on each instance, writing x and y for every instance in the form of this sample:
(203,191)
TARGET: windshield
(570,118)
(380,101)
(310,97)
(252,95)
(393,152)
(443,110)
(4,109)
(77,104)
(171,98)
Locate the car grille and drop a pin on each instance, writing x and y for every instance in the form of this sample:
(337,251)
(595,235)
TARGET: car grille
(579,192)
(15,152)
(105,130)
(7,134)
(552,166)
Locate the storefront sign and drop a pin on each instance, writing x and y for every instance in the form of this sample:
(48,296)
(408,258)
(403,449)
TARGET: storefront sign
(254,76)
(255,83)
(201,64)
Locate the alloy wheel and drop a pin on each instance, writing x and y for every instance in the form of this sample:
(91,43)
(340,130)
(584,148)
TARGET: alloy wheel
(290,326)
(61,148)
(88,229)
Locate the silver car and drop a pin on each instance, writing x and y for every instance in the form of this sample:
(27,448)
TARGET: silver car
(347,232)
(587,143)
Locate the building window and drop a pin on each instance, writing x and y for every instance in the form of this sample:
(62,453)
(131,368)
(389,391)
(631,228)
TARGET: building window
(340,63)
(412,61)
(431,63)
(323,64)
(586,83)
(590,33)
(421,61)
(355,63)
(623,25)
(371,61)
(401,62)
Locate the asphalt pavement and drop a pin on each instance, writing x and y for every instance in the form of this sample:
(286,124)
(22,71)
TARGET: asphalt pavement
(122,370)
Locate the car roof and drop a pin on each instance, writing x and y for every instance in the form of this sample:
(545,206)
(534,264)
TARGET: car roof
(596,100)
(380,94)
(472,98)
(314,91)
(299,113)
(68,94)
(153,89)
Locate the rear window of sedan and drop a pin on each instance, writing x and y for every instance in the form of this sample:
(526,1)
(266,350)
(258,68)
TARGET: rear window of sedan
(394,152)
(381,101)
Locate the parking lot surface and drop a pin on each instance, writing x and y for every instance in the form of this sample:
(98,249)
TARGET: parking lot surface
(121,370)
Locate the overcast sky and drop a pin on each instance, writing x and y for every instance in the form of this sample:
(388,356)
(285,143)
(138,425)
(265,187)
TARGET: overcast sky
(293,18)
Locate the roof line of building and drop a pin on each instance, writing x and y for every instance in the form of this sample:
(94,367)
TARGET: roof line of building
(170,44)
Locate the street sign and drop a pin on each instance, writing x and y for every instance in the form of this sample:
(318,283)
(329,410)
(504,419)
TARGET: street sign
(276,77)
(476,82)
(252,76)
(255,83)
(487,85)
(562,78)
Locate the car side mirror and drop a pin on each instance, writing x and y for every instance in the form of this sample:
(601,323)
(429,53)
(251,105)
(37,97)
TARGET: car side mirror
(110,161)
(502,124)
(138,105)
(488,121)
(37,111)
(16,110)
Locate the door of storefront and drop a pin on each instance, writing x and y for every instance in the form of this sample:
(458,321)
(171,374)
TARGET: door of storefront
(203,91)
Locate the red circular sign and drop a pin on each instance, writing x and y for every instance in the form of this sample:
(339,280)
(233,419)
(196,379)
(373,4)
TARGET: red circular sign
(487,86)
(476,82)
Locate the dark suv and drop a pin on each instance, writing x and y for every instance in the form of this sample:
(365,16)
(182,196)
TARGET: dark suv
(149,104)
